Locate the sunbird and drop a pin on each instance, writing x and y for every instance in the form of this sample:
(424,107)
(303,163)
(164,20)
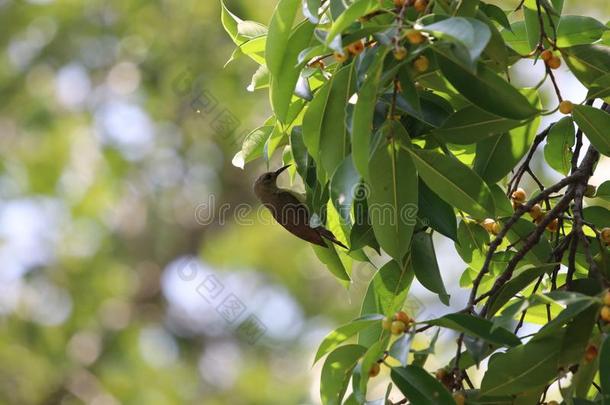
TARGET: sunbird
(289,211)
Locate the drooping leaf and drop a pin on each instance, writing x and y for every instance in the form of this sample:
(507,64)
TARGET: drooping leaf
(343,188)
(312,126)
(386,295)
(436,213)
(344,332)
(477,327)
(425,265)
(357,9)
(420,387)
(577,30)
(280,28)
(487,90)
(336,372)
(454,182)
(472,34)
(588,62)
(393,199)
(594,124)
(558,148)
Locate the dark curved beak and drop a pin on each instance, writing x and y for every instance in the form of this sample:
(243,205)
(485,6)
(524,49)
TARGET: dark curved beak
(281,169)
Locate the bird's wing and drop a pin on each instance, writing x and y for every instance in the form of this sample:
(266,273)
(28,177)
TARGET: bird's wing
(293,215)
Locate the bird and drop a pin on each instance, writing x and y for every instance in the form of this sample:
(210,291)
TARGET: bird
(289,211)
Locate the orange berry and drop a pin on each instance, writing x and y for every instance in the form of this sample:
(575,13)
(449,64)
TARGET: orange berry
(553,225)
(440,374)
(607,299)
(546,55)
(400,53)
(536,211)
(519,195)
(605,234)
(374,371)
(340,57)
(398,327)
(421,5)
(459,398)
(421,64)
(386,323)
(605,313)
(399,3)
(516,204)
(590,353)
(488,224)
(403,317)
(356,48)
(497,228)
(566,107)
(415,37)
(554,62)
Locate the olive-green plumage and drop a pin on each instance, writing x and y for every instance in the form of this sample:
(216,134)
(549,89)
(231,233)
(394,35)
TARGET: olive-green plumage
(289,211)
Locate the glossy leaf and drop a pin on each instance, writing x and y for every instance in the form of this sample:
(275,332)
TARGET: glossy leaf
(336,372)
(454,182)
(312,126)
(558,148)
(420,387)
(393,199)
(577,30)
(425,266)
(357,9)
(472,34)
(343,187)
(280,28)
(344,332)
(588,62)
(436,213)
(594,124)
(477,327)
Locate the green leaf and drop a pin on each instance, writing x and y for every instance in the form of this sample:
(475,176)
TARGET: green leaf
(283,82)
(577,30)
(516,38)
(435,212)
(386,295)
(472,124)
(356,10)
(577,337)
(401,347)
(603,191)
(280,28)
(472,243)
(478,328)
(425,266)
(594,123)
(344,332)
(310,10)
(343,188)
(336,372)
(588,62)
(598,215)
(523,367)
(487,90)
(496,13)
(600,88)
(393,198)
(521,279)
(260,79)
(331,259)
(253,144)
(498,155)
(362,117)
(520,230)
(374,353)
(558,148)
(420,387)
(604,367)
(469,32)
(454,182)
(312,126)
(334,138)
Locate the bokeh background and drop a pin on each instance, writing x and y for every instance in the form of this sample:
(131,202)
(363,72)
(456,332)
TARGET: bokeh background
(124,274)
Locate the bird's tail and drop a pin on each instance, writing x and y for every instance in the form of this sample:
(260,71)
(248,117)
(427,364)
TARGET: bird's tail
(325,233)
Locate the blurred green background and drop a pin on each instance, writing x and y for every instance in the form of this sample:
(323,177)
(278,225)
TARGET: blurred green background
(124,276)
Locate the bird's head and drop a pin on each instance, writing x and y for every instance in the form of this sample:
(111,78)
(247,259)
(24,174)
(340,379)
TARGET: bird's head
(266,181)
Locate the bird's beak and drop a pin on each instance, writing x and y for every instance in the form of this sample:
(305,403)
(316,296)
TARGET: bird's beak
(281,169)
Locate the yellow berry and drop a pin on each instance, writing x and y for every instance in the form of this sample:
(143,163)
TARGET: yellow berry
(386,323)
(415,37)
(340,57)
(536,211)
(440,374)
(400,53)
(374,371)
(546,55)
(399,3)
(590,191)
(398,327)
(607,299)
(566,107)
(605,234)
(554,62)
(356,48)
(403,317)
(496,228)
(421,64)
(519,195)
(488,224)
(605,313)
(420,5)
